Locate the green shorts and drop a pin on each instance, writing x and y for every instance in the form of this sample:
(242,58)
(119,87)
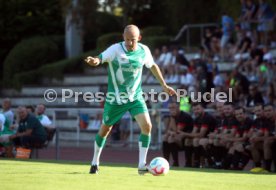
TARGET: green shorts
(113,113)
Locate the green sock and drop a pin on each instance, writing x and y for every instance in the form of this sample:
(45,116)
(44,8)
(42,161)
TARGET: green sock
(145,139)
(100,141)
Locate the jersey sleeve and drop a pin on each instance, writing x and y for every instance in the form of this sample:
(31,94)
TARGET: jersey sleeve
(46,121)
(148,58)
(2,122)
(109,54)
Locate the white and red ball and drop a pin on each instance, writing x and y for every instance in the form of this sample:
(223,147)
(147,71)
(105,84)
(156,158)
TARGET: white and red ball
(159,166)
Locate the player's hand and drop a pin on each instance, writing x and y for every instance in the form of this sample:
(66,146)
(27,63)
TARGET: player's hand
(93,61)
(169,90)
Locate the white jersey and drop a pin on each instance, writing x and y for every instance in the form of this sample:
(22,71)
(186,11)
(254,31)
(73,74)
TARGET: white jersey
(125,72)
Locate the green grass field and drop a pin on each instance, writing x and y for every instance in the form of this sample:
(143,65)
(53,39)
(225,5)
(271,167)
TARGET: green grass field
(63,175)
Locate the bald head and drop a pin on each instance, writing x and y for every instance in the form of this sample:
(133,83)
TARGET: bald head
(131,37)
(132,29)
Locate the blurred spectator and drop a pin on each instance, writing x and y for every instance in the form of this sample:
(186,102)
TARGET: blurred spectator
(258,132)
(125,128)
(227,32)
(6,109)
(5,132)
(254,98)
(265,17)
(269,114)
(30,131)
(248,13)
(242,49)
(186,78)
(30,109)
(44,119)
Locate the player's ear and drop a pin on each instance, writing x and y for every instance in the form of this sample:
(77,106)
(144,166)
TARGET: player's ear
(139,38)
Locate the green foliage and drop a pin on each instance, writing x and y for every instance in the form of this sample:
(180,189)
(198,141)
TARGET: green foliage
(21,19)
(153,31)
(51,70)
(156,41)
(30,54)
(94,28)
(108,39)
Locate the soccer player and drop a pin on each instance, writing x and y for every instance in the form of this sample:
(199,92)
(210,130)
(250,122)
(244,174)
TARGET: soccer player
(237,155)
(204,124)
(180,124)
(270,140)
(125,62)
(258,133)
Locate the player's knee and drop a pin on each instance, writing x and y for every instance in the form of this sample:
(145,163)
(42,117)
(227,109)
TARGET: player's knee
(146,128)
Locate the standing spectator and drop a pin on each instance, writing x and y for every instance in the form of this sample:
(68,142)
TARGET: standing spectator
(265,18)
(249,10)
(227,32)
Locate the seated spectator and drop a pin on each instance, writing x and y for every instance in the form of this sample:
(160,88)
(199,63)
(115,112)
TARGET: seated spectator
(186,78)
(254,97)
(237,157)
(30,131)
(257,135)
(226,129)
(5,132)
(242,51)
(30,109)
(180,124)
(269,114)
(44,119)
(204,123)
(6,109)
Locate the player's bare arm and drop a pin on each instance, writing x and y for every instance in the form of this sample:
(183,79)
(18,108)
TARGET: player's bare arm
(158,75)
(92,61)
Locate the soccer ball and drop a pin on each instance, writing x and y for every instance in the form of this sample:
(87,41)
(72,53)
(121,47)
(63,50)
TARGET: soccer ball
(159,166)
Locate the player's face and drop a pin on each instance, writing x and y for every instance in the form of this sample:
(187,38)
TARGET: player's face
(258,110)
(219,107)
(131,38)
(239,114)
(268,112)
(174,109)
(227,110)
(198,110)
